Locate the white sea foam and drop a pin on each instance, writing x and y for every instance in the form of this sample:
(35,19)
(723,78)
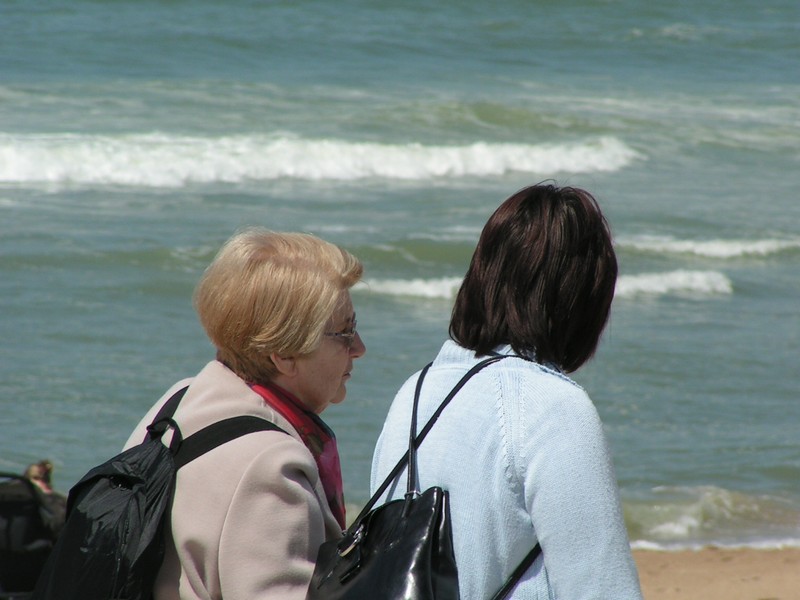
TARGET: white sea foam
(680,283)
(450,234)
(753,543)
(722,249)
(690,517)
(444,287)
(161,160)
(679,31)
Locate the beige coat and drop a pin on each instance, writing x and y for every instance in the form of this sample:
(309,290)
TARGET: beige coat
(248,517)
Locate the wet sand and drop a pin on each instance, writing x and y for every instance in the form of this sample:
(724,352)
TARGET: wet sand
(717,574)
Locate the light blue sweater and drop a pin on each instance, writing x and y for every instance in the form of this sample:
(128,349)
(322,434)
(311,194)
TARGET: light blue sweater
(522,452)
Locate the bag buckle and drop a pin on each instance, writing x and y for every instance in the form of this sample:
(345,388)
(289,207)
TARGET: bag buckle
(358,535)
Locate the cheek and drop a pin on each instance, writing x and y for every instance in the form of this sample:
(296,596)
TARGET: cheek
(331,380)
(340,392)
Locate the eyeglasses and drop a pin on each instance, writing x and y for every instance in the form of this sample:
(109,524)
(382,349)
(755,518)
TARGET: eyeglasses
(347,337)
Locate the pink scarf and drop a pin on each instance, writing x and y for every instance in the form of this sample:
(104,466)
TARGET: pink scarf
(318,438)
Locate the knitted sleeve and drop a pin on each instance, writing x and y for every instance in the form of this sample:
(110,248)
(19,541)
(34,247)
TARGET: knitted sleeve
(570,490)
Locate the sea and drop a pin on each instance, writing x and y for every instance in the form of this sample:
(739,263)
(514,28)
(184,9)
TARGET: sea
(136,136)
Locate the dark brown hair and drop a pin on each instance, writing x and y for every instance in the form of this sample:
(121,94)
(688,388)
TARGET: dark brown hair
(541,279)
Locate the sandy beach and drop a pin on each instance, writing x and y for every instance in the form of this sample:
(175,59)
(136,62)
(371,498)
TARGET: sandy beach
(717,574)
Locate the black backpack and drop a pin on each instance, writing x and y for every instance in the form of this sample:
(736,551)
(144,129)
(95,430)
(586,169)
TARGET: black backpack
(29,524)
(112,544)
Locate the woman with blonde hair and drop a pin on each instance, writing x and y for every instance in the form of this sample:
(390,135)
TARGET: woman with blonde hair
(248,517)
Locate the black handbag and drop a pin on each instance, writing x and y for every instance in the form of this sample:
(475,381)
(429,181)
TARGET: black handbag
(402,550)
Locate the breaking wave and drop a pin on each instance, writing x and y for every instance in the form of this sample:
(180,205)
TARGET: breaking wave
(160,160)
(679,283)
(721,249)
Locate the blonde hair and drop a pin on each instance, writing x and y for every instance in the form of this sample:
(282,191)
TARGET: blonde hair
(270,292)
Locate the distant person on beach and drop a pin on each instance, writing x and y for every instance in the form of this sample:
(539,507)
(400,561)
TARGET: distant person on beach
(521,448)
(248,517)
(31,519)
(41,475)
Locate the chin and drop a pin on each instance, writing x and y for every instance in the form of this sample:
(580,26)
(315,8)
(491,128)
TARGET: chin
(340,397)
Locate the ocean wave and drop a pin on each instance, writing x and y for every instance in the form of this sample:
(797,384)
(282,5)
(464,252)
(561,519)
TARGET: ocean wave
(678,517)
(680,283)
(684,32)
(160,160)
(455,233)
(722,249)
(674,283)
(437,288)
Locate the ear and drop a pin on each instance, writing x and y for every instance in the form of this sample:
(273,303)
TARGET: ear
(286,365)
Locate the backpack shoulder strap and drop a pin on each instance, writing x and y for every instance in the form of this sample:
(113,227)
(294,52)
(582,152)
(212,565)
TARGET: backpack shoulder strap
(163,418)
(219,433)
(170,406)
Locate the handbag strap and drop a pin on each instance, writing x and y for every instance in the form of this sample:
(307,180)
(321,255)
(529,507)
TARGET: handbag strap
(418,439)
(410,458)
(411,486)
(518,573)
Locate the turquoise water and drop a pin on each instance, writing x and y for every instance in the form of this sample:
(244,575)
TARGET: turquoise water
(135,137)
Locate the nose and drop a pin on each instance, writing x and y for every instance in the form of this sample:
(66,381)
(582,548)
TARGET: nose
(358,349)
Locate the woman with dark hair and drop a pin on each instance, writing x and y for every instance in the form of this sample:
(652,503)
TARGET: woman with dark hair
(521,449)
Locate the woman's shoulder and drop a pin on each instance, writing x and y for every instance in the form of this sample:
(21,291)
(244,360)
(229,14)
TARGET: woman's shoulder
(271,456)
(541,376)
(511,366)
(533,394)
